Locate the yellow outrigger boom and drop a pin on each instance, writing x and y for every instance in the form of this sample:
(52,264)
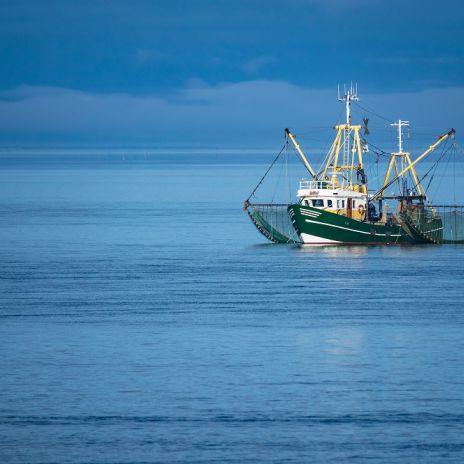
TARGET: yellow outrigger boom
(302,155)
(410,166)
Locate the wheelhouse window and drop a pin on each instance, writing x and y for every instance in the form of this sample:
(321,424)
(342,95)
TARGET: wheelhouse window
(322,185)
(329,203)
(318,203)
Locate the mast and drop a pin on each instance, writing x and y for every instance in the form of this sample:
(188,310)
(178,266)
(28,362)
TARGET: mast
(340,171)
(411,165)
(405,158)
(400,124)
(350,95)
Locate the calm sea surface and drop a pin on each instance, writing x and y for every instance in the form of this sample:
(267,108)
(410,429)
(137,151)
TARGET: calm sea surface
(144,320)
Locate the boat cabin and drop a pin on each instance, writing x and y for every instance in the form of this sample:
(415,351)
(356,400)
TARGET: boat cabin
(325,195)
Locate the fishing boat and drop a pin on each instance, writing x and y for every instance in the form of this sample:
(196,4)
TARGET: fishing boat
(336,207)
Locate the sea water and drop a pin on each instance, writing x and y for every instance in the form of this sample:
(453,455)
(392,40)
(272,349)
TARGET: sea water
(145,320)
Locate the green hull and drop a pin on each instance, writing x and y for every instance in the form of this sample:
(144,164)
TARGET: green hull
(319,227)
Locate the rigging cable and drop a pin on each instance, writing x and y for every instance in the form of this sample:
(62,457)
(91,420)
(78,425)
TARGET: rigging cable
(372,112)
(288,178)
(266,173)
(283,168)
(445,150)
(434,166)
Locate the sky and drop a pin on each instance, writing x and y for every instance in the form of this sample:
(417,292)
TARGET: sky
(221,73)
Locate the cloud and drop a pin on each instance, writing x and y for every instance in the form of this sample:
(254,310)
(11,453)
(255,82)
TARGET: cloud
(256,64)
(229,114)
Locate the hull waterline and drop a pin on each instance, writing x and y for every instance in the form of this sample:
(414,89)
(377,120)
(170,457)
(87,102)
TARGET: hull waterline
(318,227)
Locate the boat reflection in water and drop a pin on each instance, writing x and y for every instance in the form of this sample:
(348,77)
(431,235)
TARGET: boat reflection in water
(336,251)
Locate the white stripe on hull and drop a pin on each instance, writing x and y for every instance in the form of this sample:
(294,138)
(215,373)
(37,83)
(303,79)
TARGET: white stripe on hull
(315,240)
(309,213)
(351,230)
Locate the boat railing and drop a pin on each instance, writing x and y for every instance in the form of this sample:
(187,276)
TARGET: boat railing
(315,185)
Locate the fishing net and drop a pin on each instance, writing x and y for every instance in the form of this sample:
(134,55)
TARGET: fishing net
(436,224)
(273,222)
(267,204)
(453,224)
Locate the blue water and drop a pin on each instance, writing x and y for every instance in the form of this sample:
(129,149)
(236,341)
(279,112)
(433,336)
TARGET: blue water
(144,320)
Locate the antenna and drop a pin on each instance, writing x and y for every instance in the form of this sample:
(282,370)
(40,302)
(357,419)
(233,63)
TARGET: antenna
(348,97)
(400,124)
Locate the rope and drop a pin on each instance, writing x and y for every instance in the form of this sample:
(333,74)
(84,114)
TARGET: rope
(277,184)
(434,165)
(266,173)
(377,150)
(372,112)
